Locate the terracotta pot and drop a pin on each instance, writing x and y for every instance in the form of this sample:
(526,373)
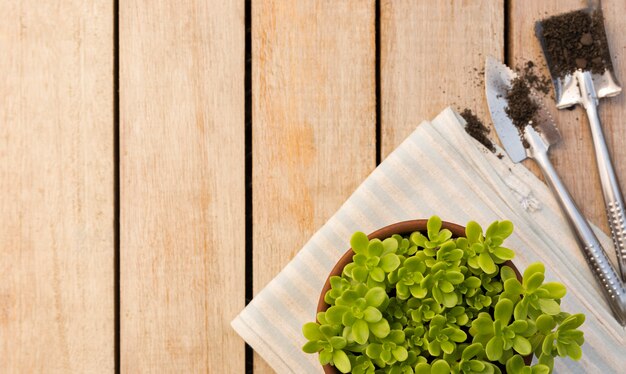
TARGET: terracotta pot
(401,228)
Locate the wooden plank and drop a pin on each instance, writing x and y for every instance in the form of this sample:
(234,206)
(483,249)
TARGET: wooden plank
(182,185)
(313,121)
(56,187)
(573,156)
(432,55)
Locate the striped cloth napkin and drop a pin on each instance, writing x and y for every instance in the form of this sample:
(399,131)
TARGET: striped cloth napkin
(438,170)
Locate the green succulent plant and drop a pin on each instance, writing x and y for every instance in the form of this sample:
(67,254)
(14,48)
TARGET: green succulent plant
(536,297)
(499,334)
(443,337)
(435,236)
(373,259)
(486,251)
(324,339)
(431,303)
(359,310)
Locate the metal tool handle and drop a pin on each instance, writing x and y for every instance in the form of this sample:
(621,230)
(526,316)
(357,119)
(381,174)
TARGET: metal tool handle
(610,283)
(613,201)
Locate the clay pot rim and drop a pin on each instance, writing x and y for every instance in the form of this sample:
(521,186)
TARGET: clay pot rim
(401,228)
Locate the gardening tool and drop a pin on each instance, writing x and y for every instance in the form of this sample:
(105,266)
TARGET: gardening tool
(585,88)
(533,142)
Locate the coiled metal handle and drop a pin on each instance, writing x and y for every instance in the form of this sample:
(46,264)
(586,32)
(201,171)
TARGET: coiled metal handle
(615,213)
(611,192)
(610,283)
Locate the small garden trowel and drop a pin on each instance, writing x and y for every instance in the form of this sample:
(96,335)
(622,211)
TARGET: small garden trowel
(533,142)
(584,87)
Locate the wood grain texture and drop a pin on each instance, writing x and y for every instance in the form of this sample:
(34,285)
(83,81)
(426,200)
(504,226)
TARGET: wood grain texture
(314,108)
(56,187)
(432,56)
(573,157)
(182,185)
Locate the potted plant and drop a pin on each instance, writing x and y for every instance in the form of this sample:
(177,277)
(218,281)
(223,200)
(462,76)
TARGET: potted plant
(434,297)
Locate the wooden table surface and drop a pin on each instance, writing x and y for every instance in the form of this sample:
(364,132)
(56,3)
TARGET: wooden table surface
(161,161)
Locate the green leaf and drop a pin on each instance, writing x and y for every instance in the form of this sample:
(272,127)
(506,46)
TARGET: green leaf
(507,273)
(311,347)
(494,348)
(545,323)
(375,296)
(396,336)
(483,323)
(360,331)
(504,253)
(377,274)
(547,361)
(400,353)
(549,306)
(503,311)
(418,291)
(522,345)
(422,368)
(334,314)
(450,299)
(373,350)
(338,342)
(348,298)
(390,262)
(473,262)
(455,277)
(390,245)
(326,357)
(574,352)
(471,351)
(447,346)
(348,319)
(458,336)
(536,267)
(473,232)
(540,369)
(445,286)
(555,289)
(548,345)
(437,295)
(413,264)
(572,322)
(515,364)
(521,310)
(433,226)
(533,282)
(328,331)
(375,248)
(311,331)
(444,235)
(341,361)
(440,367)
(513,286)
(417,238)
(371,314)
(561,348)
(479,367)
(504,229)
(486,263)
(434,348)
(472,282)
(360,273)
(380,329)
(519,326)
(359,242)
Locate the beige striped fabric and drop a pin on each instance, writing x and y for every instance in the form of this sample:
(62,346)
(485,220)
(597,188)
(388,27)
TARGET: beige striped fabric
(438,170)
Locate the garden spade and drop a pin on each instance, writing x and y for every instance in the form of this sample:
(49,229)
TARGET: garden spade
(533,142)
(586,88)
